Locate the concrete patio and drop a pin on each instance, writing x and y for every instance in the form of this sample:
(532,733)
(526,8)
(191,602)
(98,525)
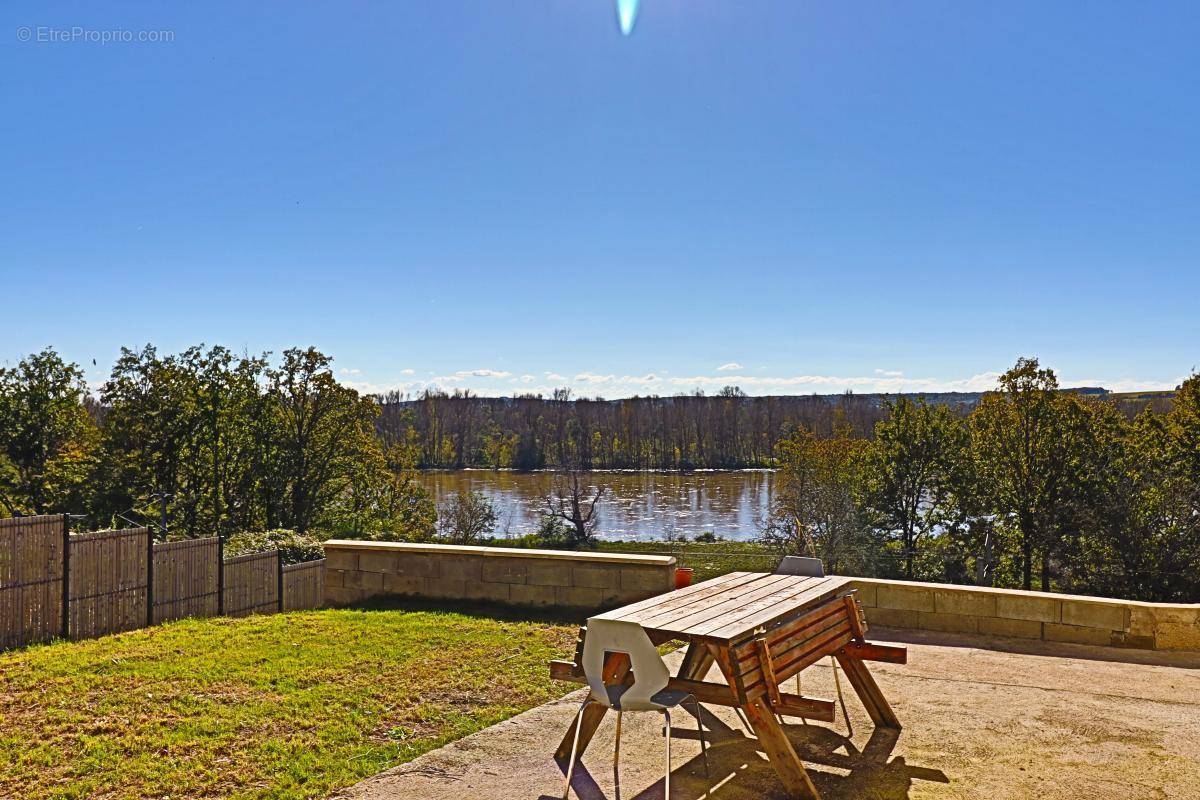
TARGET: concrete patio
(984,718)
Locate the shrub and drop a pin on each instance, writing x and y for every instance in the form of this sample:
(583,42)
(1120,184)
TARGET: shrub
(294,547)
(466,517)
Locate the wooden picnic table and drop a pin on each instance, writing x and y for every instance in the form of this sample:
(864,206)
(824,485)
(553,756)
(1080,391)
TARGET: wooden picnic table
(760,629)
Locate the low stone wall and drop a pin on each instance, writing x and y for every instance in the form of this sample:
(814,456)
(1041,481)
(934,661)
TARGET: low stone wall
(1030,615)
(356,570)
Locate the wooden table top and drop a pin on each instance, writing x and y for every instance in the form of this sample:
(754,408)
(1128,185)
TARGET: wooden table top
(730,607)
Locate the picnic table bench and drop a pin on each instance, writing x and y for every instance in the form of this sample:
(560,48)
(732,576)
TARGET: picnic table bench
(760,629)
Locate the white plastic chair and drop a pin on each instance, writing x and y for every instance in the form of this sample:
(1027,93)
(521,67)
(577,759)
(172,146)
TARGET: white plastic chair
(813,568)
(648,692)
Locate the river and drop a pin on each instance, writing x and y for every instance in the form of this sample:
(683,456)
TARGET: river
(643,506)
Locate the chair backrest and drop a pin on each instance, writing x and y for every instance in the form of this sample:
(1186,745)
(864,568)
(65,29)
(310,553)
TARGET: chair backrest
(801,565)
(616,636)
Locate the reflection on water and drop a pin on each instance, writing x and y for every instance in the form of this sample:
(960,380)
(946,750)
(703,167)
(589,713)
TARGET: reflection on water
(636,505)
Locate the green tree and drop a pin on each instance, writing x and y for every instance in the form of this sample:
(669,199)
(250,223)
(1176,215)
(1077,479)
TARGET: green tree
(908,470)
(46,436)
(466,517)
(816,508)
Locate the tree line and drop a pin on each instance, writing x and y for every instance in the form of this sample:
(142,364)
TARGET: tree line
(213,441)
(1035,488)
(1032,487)
(728,430)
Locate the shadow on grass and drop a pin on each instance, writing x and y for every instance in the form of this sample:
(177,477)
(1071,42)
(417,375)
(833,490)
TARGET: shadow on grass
(480,610)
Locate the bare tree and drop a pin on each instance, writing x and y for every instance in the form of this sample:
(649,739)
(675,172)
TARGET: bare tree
(572,500)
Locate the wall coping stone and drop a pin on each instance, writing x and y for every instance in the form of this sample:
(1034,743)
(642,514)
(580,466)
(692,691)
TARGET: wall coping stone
(501,552)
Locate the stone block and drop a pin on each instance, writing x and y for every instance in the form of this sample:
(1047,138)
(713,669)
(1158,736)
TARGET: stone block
(369,561)
(1176,636)
(1012,605)
(404,585)
(952,623)
(964,601)
(333,577)
(596,577)
(527,595)
(442,589)
(1077,634)
(460,568)
(548,572)
(867,593)
(651,580)
(490,592)
(341,559)
(1091,614)
(504,570)
(341,596)
(417,565)
(1012,628)
(909,598)
(581,597)
(1142,621)
(893,617)
(370,582)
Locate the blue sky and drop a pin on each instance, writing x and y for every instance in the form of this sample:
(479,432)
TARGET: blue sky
(511,196)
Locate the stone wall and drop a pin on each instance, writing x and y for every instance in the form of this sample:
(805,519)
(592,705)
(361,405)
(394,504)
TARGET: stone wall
(1030,615)
(356,570)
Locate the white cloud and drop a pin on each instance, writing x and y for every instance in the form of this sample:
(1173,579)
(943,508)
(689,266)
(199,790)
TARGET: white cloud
(345,371)
(554,376)
(482,373)
(889,373)
(730,366)
(593,378)
(406,372)
(527,378)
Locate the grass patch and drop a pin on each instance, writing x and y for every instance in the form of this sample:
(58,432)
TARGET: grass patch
(708,559)
(283,706)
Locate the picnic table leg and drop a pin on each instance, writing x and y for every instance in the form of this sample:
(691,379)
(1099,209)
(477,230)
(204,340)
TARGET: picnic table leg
(696,662)
(779,751)
(616,667)
(868,691)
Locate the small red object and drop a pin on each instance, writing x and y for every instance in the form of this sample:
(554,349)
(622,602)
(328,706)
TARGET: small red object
(683,577)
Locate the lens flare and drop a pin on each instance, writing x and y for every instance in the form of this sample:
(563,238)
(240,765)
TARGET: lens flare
(627,14)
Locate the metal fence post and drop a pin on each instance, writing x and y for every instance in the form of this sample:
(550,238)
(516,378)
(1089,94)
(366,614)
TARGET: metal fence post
(279,567)
(66,577)
(220,574)
(149,577)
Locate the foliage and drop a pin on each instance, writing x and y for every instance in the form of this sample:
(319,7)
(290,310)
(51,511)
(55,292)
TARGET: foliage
(466,517)
(815,509)
(294,547)
(283,706)
(573,502)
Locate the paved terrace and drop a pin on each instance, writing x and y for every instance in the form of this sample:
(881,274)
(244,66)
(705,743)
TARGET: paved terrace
(984,718)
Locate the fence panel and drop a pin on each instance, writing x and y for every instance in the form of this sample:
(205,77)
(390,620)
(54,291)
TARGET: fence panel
(31,569)
(304,585)
(252,584)
(108,582)
(186,579)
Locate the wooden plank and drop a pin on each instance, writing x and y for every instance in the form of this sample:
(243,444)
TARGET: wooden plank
(868,692)
(680,598)
(781,637)
(867,651)
(716,694)
(779,751)
(769,616)
(687,620)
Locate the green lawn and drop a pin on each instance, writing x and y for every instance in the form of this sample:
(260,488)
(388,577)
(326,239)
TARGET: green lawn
(283,706)
(708,559)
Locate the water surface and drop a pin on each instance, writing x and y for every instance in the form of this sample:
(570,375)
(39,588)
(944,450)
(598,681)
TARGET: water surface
(645,506)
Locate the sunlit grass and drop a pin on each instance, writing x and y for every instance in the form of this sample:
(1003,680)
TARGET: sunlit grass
(283,706)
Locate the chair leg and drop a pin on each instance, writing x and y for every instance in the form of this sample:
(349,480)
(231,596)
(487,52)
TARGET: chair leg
(703,747)
(575,746)
(617,756)
(667,779)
